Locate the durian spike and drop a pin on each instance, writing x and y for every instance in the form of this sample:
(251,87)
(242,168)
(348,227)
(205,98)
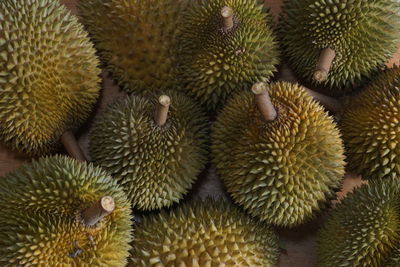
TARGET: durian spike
(161,115)
(72,147)
(324,64)
(98,211)
(263,101)
(227,16)
(328,102)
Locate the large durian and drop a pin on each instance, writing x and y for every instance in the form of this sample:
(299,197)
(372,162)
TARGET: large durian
(280,160)
(364,229)
(347,39)
(49,216)
(371,128)
(135,39)
(205,233)
(156,159)
(49,79)
(224,47)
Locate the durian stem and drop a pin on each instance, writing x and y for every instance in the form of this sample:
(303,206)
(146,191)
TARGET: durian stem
(324,64)
(227,16)
(98,211)
(328,102)
(161,115)
(72,147)
(263,101)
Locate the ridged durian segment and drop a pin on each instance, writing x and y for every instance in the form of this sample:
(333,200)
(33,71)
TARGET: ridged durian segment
(371,128)
(49,79)
(281,171)
(214,63)
(364,34)
(40,204)
(155,165)
(135,39)
(205,233)
(364,228)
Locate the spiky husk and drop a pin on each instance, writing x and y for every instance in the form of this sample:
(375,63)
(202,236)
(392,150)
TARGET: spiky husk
(364,35)
(156,165)
(215,64)
(371,128)
(364,229)
(135,39)
(281,171)
(40,204)
(394,258)
(204,233)
(49,79)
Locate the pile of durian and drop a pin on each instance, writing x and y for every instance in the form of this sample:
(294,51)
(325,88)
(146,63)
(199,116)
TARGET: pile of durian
(200,86)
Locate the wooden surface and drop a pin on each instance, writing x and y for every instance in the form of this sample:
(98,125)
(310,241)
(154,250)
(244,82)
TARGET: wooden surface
(298,243)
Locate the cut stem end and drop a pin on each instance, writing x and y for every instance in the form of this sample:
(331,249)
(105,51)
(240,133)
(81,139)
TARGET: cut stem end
(98,211)
(72,147)
(162,109)
(227,18)
(263,102)
(324,64)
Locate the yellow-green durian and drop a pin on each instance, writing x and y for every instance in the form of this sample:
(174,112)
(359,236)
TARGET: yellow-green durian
(363,34)
(40,209)
(203,233)
(49,79)
(215,62)
(155,164)
(371,128)
(135,39)
(283,170)
(364,229)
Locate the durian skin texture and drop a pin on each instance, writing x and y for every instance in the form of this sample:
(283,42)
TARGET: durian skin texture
(364,35)
(39,206)
(371,128)
(135,39)
(215,64)
(281,171)
(363,230)
(156,165)
(203,233)
(49,79)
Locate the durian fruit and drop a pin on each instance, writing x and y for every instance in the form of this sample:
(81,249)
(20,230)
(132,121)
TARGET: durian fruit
(224,47)
(279,156)
(335,45)
(205,233)
(371,128)
(135,39)
(394,258)
(364,229)
(156,157)
(50,215)
(49,79)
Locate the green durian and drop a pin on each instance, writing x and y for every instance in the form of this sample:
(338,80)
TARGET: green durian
(363,34)
(49,79)
(363,230)
(371,128)
(155,164)
(215,62)
(283,170)
(205,233)
(135,39)
(40,210)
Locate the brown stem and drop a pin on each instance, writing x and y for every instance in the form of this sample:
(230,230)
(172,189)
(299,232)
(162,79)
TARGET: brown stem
(324,64)
(161,115)
(98,211)
(72,147)
(227,16)
(263,101)
(328,102)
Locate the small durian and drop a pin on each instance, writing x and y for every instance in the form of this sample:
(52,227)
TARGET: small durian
(135,39)
(280,157)
(363,230)
(335,45)
(49,75)
(59,212)
(203,233)
(224,47)
(156,156)
(370,126)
